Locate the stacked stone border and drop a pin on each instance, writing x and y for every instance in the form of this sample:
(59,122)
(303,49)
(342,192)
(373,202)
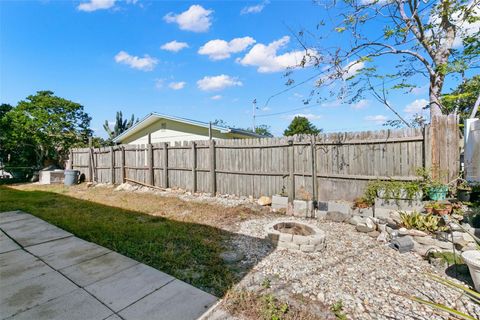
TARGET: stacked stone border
(310,243)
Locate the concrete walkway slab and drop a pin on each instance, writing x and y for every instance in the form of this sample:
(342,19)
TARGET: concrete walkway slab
(98,268)
(66,252)
(44,277)
(32,231)
(28,293)
(77,305)
(7,244)
(16,266)
(175,301)
(13,216)
(128,286)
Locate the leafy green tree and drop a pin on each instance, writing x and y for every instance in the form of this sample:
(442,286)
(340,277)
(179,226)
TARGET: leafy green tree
(120,125)
(301,125)
(463,98)
(43,128)
(264,130)
(5,129)
(427,40)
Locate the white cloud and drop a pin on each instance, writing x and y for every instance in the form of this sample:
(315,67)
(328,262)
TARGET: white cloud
(377,119)
(309,116)
(352,68)
(196,19)
(217,82)
(416,106)
(266,59)
(254,9)
(216,97)
(146,63)
(177,85)
(360,104)
(174,46)
(93,5)
(265,109)
(221,49)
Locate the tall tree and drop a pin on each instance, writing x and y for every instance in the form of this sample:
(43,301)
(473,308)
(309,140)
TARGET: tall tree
(47,126)
(462,99)
(301,125)
(430,38)
(120,125)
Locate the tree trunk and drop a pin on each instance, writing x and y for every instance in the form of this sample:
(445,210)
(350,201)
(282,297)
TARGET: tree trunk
(436,84)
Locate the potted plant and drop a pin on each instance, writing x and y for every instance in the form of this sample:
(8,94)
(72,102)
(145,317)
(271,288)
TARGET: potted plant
(434,188)
(361,203)
(463,191)
(429,207)
(475,193)
(441,208)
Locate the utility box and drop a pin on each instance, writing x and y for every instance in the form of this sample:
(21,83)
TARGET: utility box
(48,176)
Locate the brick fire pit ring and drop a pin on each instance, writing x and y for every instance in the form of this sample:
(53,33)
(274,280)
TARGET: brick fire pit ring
(296,236)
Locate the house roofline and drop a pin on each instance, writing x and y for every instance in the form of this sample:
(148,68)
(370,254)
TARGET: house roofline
(157,115)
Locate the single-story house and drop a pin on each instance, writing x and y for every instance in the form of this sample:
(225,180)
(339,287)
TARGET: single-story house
(163,128)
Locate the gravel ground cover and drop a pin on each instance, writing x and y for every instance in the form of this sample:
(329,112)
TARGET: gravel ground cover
(372,280)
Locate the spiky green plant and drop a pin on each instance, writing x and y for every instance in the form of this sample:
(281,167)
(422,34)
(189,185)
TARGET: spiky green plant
(471,294)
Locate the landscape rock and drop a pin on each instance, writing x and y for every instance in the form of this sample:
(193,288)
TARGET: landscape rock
(370,222)
(383,237)
(417,233)
(374,234)
(356,220)
(337,216)
(364,228)
(264,201)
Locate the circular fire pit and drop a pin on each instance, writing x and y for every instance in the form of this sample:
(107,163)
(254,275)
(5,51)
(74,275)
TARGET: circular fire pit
(296,236)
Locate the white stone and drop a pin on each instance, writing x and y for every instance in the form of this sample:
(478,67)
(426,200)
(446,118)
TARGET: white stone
(264,201)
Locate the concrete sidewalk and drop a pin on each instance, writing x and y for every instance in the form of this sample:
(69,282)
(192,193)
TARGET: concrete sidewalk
(47,273)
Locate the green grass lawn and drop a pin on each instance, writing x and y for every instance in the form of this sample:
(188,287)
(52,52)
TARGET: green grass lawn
(188,251)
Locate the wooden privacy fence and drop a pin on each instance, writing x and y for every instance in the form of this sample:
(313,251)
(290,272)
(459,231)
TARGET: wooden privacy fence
(325,167)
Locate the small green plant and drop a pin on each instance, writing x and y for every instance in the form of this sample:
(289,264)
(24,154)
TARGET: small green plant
(337,309)
(274,310)
(448,258)
(391,190)
(464,185)
(266,283)
(418,221)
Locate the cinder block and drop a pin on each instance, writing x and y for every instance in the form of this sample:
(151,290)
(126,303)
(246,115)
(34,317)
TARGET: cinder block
(382,213)
(307,247)
(315,240)
(300,239)
(320,214)
(403,244)
(322,206)
(398,204)
(302,208)
(343,207)
(279,202)
(285,237)
(288,245)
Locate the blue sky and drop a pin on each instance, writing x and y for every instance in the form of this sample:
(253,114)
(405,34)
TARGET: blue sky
(176,58)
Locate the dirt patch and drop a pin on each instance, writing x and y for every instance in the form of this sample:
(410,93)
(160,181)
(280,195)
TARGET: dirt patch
(227,218)
(294,228)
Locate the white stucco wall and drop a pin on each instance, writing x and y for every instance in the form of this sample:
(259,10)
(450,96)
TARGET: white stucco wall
(166,135)
(472,149)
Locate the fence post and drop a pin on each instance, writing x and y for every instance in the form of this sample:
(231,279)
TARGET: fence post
(194,167)
(90,164)
(123,163)
(213,178)
(291,168)
(151,177)
(112,165)
(314,169)
(165,165)
(70,160)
